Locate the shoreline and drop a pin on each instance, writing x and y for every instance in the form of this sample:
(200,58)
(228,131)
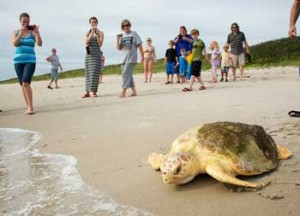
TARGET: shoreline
(112,137)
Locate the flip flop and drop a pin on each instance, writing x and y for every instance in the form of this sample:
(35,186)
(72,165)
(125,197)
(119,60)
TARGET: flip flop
(202,88)
(86,95)
(186,90)
(294,113)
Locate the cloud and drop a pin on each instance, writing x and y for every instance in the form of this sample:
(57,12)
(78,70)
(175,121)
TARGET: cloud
(63,23)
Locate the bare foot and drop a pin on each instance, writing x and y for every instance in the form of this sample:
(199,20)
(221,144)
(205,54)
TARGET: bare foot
(132,95)
(29,112)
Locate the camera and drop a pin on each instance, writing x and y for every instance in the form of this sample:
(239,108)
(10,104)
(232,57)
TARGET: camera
(120,35)
(88,50)
(31,27)
(180,37)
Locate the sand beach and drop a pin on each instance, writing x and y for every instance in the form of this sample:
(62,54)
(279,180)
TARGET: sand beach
(111,138)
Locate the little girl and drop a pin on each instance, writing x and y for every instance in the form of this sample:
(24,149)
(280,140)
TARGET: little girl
(215,62)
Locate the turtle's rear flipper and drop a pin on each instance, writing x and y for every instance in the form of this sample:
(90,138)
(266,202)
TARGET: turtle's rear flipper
(155,160)
(294,113)
(226,176)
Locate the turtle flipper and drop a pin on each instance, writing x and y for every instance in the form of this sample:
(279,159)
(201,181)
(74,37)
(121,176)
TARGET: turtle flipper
(155,160)
(224,175)
(283,153)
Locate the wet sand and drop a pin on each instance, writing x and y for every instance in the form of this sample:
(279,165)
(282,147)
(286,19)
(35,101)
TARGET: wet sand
(112,137)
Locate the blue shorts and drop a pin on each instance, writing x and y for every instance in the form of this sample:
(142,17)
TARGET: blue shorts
(225,69)
(170,68)
(54,74)
(25,72)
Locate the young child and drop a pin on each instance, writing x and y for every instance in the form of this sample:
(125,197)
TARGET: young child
(198,53)
(225,63)
(171,62)
(183,65)
(215,62)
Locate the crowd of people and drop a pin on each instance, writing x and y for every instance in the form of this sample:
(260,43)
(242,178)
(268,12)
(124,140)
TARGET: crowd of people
(183,58)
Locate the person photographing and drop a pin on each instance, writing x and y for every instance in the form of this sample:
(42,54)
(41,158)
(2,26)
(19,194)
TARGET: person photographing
(24,39)
(94,39)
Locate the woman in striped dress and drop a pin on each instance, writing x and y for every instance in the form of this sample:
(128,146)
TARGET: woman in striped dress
(93,39)
(24,40)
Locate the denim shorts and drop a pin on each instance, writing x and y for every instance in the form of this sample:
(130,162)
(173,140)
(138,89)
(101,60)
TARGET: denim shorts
(225,69)
(54,74)
(25,72)
(170,68)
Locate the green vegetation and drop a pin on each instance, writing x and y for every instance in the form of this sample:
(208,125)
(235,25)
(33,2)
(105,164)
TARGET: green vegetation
(282,52)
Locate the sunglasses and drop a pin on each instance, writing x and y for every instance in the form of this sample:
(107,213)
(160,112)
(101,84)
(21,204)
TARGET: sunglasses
(235,27)
(126,25)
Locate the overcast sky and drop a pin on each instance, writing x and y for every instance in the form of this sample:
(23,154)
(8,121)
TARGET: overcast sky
(63,23)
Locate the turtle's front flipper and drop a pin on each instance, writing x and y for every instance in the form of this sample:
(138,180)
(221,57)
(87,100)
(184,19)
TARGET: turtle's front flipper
(283,153)
(155,160)
(222,174)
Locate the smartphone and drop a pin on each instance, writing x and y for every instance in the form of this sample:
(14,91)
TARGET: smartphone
(30,27)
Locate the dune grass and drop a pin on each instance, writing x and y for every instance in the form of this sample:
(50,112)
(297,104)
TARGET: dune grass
(281,52)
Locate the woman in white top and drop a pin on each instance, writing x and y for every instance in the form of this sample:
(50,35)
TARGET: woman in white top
(149,59)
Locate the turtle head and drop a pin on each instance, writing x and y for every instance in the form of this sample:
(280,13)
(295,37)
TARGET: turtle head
(179,168)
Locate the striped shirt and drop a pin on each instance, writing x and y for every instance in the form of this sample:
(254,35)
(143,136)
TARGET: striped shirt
(25,50)
(236,42)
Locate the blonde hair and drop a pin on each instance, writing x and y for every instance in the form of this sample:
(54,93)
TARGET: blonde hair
(195,31)
(171,42)
(214,45)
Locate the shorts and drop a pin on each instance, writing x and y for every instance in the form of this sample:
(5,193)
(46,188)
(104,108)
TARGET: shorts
(54,74)
(196,68)
(225,69)
(238,60)
(183,70)
(183,73)
(170,68)
(25,72)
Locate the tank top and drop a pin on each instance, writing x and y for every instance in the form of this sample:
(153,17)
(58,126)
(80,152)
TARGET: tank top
(25,50)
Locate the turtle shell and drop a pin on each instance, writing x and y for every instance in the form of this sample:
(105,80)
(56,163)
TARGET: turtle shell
(249,147)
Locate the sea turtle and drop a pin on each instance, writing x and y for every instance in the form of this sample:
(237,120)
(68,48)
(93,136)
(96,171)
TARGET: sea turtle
(223,150)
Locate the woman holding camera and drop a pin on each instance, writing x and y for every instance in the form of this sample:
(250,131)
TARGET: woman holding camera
(129,42)
(94,40)
(182,41)
(24,40)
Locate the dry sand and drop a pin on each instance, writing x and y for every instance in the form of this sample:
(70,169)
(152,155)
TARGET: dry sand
(112,137)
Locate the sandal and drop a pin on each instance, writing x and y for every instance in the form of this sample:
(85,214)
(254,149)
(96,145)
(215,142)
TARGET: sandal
(202,88)
(167,82)
(186,90)
(294,113)
(86,95)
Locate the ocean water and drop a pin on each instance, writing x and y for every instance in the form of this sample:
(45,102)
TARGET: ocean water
(32,183)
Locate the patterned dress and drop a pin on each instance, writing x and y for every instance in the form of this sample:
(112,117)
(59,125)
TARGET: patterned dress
(93,66)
